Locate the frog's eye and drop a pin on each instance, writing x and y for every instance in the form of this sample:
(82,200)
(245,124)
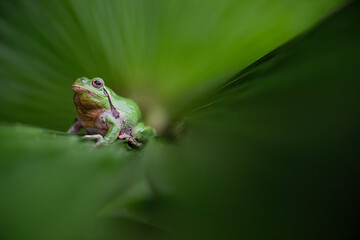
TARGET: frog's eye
(97,83)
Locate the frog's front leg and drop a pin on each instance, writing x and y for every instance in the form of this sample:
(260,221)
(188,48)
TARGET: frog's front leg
(76,127)
(110,136)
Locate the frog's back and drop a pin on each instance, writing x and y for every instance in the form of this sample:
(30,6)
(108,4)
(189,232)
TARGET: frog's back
(129,110)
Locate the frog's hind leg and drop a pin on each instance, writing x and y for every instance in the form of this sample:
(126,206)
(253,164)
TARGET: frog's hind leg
(143,133)
(139,135)
(76,127)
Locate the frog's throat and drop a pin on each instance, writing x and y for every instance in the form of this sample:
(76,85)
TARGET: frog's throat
(78,88)
(114,111)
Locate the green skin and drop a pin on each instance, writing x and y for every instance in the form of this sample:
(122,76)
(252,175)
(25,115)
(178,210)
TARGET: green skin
(106,116)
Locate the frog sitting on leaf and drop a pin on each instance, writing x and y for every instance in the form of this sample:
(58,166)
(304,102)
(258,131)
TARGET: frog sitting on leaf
(106,116)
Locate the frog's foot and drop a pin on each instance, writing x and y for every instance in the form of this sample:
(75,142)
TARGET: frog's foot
(130,139)
(100,141)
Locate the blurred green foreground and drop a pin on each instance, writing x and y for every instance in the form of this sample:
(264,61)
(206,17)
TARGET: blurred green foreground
(271,152)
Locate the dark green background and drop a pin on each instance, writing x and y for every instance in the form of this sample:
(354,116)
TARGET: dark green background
(272,153)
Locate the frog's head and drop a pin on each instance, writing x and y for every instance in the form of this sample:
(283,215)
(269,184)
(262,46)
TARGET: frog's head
(90,92)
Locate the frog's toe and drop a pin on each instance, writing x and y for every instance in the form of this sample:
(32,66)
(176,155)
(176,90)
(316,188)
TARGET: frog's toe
(95,136)
(99,139)
(101,142)
(131,140)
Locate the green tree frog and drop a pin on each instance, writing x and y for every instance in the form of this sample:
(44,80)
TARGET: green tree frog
(106,116)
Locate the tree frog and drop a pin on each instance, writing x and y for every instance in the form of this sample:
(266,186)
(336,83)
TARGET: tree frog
(106,116)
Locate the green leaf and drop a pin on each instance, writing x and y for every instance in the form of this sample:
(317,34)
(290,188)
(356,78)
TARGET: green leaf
(274,156)
(53,185)
(162,53)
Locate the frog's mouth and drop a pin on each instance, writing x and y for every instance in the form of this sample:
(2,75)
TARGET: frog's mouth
(81,89)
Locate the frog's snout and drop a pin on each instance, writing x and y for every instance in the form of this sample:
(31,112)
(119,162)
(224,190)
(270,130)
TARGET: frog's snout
(80,81)
(77,86)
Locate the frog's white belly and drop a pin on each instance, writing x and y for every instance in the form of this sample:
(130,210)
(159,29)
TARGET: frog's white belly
(97,126)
